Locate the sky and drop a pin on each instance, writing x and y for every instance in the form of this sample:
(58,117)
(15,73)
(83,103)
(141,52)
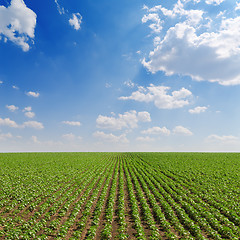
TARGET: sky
(139,75)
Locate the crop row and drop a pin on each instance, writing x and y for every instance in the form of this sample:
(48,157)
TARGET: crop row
(58,203)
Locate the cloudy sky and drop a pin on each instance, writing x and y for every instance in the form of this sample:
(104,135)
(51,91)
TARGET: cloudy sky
(139,75)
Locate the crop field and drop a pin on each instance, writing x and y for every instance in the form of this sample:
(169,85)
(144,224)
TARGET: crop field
(120,196)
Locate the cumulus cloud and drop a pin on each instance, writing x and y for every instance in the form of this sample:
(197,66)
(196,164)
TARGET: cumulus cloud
(144,117)
(72,123)
(111,137)
(156,25)
(160,97)
(237,6)
(33,124)
(12,108)
(127,120)
(157,131)
(8,122)
(17,23)
(180,130)
(197,110)
(33,94)
(190,48)
(192,16)
(76,21)
(214,2)
(225,139)
(29,114)
(1,82)
(27,109)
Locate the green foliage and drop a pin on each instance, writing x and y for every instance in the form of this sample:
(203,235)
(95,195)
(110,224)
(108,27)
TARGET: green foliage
(76,195)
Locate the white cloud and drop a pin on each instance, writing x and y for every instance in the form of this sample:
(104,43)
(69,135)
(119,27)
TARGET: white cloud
(144,117)
(192,16)
(17,23)
(33,124)
(33,94)
(27,109)
(180,130)
(156,26)
(111,137)
(214,2)
(157,41)
(4,136)
(72,123)
(197,110)
(145,7)
(8,122)
(60,9)
(12,108)
(190,48)
(222,139)
(29,114)
(157,131)
(15,87)
(1,82)
(158,95)
(237,6)
(76,21)
(129,83)
(145,139)
(127,120)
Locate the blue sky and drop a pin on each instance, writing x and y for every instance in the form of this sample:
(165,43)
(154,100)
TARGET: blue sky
(119,75)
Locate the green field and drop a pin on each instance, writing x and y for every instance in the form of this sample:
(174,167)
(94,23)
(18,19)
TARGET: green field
(120,196)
